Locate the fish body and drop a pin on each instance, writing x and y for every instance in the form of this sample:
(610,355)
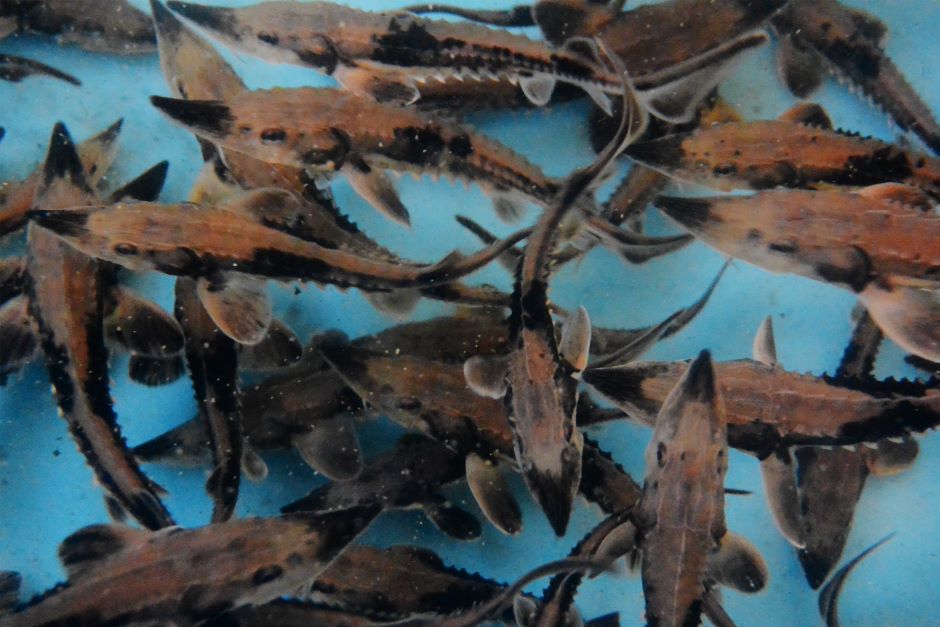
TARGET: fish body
(119,575)
(767,406)
(772,153)
(195,241)
(113,27)
(827,35)
(397,56)
(841,237)
(66,292)
(213,366)
(680,517)
(326,130)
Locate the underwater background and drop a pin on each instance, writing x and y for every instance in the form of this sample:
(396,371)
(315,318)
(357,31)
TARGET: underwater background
(47,491)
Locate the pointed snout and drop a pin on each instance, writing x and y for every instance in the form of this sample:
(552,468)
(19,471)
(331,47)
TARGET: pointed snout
(555,494)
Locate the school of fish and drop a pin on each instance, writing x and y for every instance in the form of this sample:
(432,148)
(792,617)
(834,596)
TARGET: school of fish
(508,383)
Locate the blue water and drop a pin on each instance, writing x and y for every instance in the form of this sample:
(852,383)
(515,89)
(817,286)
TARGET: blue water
(46,490)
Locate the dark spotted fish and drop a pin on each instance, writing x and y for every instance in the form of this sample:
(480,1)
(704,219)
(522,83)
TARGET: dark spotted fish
(66,290)
(409,476)
(793,152)
(120,576)
(878,242)
(112,26)
(674,66)
(680,518)
(328,130)
(213,367)
(397,56)
(827,36)
(200,242)
(401,581)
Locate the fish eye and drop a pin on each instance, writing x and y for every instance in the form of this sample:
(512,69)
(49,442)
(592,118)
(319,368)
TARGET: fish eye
(126,249)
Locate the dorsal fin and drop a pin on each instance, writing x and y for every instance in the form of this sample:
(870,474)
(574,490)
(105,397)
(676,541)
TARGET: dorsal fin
(765,347)
(906,195)
(807,113)
(146,187)
(268,205)
(89,547)
(62,165)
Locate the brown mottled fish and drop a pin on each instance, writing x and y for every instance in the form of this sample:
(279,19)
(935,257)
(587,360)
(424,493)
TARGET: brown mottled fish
(680,518)
(539,378)
(328,130)
(695,45)
(120,576)
(818,36)
(406,477)
(112,26)
(398,56)
(204,242)
(880,242)
(800,150)
(66,290)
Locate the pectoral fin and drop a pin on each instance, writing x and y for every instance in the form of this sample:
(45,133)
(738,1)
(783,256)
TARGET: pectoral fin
(539,88)
(19,336)
(890,458)
(493,495)
(238,304)
(899,193)
(155,371)
(141,327)
(396,303)
(253,466)
(486,376)
(279,348)
(779,474)
(377,190)
(801,69)
(331,447)
(455,522)
(575,342)
(738,564)
(907,314)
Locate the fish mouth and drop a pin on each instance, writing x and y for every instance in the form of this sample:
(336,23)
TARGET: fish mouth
(555,494)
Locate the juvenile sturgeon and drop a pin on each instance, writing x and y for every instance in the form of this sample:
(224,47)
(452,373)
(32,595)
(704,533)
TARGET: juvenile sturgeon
(539,378)
(397,56)
(200,242)
(680,518)
(328,130)
(799,151)
(815,37)
(674,66)
(113,26)
(66,291)
(121,575)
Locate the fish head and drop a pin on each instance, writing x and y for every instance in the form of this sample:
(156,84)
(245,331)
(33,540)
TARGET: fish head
(689,443)
(280,32)
(550,457)
(293,127)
